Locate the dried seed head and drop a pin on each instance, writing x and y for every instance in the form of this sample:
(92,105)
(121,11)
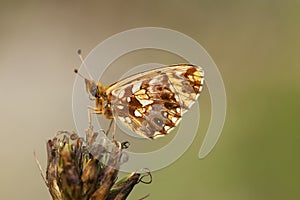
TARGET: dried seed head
(86,170)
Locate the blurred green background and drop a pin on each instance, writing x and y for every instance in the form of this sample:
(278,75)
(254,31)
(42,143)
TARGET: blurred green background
(255,44)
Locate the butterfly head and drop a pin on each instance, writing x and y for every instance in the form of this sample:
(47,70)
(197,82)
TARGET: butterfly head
(94,89)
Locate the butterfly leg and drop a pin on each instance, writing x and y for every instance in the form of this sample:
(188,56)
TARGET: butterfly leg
(115,127)
(109,127)
(94,109)
(114,124)
(90,119)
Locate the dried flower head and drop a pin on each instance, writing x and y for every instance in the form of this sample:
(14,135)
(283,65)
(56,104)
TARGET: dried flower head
(86,170)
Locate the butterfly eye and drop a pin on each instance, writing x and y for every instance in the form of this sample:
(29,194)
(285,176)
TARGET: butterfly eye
(94,90)
(157,121)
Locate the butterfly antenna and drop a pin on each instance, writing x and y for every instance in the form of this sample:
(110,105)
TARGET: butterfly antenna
(77,72)
(79,52)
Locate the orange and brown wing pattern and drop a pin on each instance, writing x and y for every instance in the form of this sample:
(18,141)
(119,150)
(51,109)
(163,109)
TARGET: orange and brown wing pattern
(152,103)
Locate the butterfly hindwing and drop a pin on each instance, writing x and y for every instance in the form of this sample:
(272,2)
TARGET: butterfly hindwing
(152,103)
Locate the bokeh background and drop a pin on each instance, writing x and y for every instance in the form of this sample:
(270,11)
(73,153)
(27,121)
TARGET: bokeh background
(254,43)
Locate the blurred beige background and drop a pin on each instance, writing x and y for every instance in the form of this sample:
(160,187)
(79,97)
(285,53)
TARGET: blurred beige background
(255,45)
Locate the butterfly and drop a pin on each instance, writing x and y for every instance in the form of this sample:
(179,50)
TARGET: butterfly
(150,103)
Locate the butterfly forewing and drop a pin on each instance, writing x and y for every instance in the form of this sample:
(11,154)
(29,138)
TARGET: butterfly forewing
(152,103)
